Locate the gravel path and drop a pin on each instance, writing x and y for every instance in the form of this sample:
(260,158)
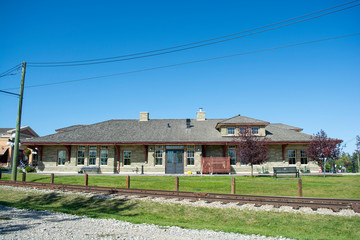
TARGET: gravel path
(28,224)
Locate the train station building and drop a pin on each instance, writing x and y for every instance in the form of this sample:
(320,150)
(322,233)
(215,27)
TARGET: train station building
(168,146)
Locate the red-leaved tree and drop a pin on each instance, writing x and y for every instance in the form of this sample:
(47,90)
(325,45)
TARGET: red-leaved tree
(251,149)
(322,148)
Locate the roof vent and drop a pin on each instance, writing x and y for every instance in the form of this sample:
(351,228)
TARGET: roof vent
(188,123)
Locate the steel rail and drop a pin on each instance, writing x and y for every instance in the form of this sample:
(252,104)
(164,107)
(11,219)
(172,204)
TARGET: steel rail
(258,200)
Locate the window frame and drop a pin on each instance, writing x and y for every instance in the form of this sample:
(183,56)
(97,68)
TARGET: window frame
(242,130)
(125,158)
(159,157)
(58,158)
(92,149)
(292,157)
(190,160)
(257,130)
(232,130)
(232,149)
(104,149)
(303,157)
(80,149)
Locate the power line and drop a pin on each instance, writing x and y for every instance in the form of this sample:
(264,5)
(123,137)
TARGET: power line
(1,91)
(163,51)
(10,71)
(349,141)
(187,63)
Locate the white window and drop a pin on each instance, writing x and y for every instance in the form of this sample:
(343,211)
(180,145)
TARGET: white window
(190,157)
(231,131)
(255,131)
(158,157)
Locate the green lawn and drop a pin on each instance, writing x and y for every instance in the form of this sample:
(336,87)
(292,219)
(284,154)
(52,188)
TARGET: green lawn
(337,186)
(299,226)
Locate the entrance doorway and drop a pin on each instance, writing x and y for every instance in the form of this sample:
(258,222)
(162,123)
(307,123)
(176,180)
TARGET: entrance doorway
(174,162)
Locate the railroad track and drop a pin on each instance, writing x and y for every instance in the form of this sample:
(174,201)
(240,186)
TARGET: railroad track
(276,201)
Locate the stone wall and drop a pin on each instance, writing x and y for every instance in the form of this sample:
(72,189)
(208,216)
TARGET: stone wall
(50,159)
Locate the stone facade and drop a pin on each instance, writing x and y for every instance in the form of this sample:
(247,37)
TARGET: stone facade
(143,157)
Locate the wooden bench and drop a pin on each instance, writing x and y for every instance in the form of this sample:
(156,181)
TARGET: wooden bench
(286,170)
(88,169)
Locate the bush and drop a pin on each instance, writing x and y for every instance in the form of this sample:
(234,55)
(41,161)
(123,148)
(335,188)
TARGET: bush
(20,170)
(30,169)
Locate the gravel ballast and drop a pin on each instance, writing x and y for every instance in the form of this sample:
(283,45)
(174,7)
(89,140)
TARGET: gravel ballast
(252,207)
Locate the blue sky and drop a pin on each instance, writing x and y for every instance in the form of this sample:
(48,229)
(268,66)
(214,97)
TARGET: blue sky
(314,86)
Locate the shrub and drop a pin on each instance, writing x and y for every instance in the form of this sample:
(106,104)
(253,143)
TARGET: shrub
(29,169)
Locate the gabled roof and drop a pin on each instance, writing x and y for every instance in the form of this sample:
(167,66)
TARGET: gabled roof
(26,132)
(159,131)
(242,120)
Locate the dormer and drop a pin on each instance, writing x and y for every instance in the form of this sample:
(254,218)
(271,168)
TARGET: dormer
(233,126)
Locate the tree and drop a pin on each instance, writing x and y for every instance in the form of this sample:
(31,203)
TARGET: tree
(322,148)
(251,149)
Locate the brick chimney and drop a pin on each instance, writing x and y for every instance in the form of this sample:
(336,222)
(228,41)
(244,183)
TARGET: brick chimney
(144,116)
(200,115)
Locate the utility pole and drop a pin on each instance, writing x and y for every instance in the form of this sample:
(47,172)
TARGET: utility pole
(357,148)
(18,123)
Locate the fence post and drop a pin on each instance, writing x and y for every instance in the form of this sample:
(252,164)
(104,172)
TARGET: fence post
(52,178)
(127,181)
(300,187)
(233,189)
(86,180)
(0,174)
(24,176)
(176,184)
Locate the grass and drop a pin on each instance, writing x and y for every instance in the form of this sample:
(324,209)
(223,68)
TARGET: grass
(337,186)
(299,226)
